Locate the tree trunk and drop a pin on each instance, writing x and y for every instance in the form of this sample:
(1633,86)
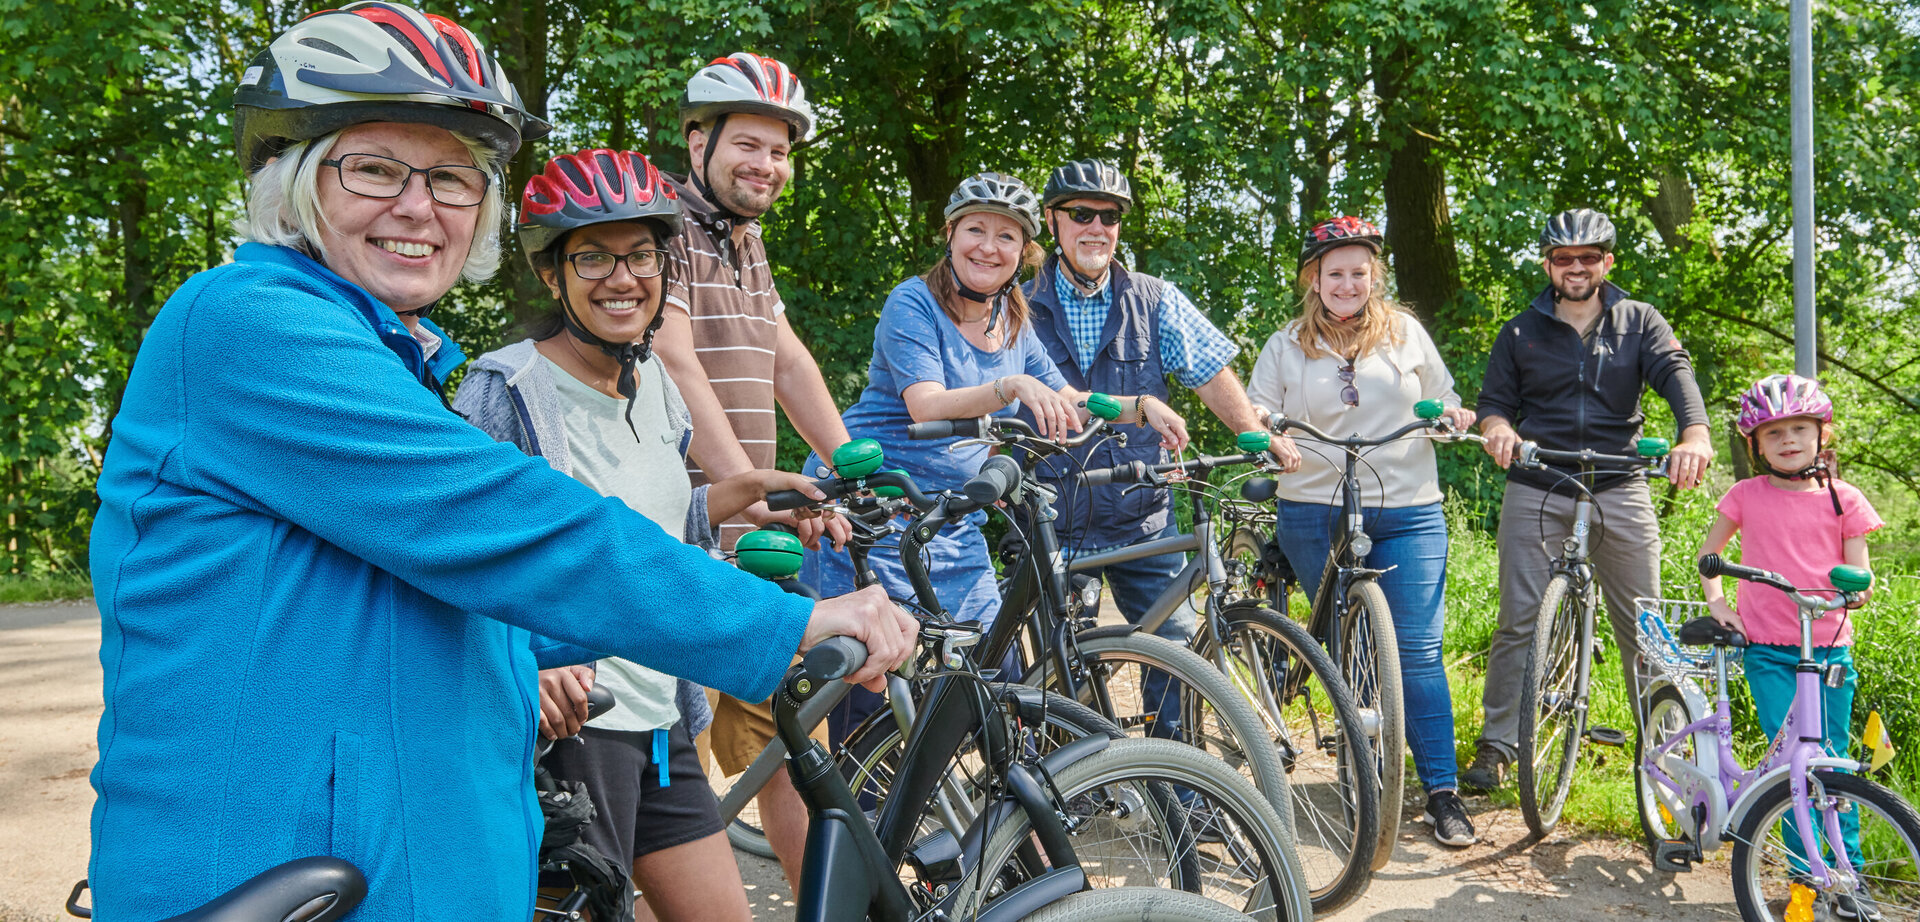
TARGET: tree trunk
(1426,268)
(521,44)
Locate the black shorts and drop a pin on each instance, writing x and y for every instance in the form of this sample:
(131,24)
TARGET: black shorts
(634,815)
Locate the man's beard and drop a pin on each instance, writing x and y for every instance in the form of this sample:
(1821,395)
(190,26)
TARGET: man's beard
(1092,272)
(1574,294)
(741,202)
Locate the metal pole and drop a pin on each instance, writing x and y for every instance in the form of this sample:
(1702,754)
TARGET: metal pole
(1805,340)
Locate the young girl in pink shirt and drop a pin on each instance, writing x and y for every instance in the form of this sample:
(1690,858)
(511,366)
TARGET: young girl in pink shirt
(1797,520)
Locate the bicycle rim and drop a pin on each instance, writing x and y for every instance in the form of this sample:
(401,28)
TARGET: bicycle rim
(1554,715)
(1309,712)
(1371,664)
(1766,867)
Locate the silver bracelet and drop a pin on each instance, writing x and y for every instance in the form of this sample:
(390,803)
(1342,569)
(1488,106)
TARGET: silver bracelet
(1000,394)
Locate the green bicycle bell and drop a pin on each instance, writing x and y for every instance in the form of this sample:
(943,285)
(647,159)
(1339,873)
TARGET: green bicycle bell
(1851,579)
(1651,447)
(1103,406)
(1252,442)
(857,459)
(768,553)
(1429,409)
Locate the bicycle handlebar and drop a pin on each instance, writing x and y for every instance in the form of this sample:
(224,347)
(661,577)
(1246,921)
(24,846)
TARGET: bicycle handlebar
(1713,565)
(1280,423)
(1530,454)
(838,487)
(1003,428)
(1142,472)
(835,658)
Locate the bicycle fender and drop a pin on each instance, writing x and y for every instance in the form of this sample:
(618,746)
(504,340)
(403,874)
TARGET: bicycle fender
(1057,760)
(1778,775)
(1105,631)
(1028,898)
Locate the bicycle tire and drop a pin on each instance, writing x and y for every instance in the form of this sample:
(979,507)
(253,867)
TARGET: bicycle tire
(1763,870)
(1116,660)
(1370,654)
(1667,715)
(1133,904)
(1309,712)
(1253,868)
(1553,711)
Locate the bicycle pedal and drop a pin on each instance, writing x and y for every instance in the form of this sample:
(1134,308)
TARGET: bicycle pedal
(1675,856)
(1606,736)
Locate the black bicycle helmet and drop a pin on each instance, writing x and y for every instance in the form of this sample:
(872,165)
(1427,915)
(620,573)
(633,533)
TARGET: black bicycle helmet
(1095,179)
(375,62)
(1581,227)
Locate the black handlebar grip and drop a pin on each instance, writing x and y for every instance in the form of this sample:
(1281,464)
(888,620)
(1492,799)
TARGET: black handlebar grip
(782,500)
(944,428)
(1131,472)
(997,477)
(599,701)
(1099,478)
(835,658)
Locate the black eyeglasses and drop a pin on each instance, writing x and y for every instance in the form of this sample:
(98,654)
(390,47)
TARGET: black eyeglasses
(374,176)
(1585,259)
(1349,394)
(1085,215)
(593,265)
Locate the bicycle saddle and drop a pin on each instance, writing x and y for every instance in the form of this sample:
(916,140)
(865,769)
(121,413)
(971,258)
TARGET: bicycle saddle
(316,889)
(1705,632)
(1259,489)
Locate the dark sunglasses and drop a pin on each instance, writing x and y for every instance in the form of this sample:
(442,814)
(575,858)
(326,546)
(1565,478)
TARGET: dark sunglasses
(1349,394)
(1085,215)
(1585,259)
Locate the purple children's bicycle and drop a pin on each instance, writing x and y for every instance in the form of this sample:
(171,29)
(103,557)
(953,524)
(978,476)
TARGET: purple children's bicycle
(1813,838)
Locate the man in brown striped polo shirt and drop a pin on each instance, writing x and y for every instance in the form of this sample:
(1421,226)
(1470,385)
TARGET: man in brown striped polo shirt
(726,342)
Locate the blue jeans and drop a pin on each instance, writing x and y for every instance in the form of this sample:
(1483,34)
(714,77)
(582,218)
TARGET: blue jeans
(1135,586)
(1770,677)
(1412,541)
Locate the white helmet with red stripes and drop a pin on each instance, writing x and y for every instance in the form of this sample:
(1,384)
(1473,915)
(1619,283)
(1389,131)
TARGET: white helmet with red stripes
(375,62)
(749,83)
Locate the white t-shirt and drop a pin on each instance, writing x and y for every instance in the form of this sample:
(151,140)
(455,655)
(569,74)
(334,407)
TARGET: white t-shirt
(1390,380)
(649,476)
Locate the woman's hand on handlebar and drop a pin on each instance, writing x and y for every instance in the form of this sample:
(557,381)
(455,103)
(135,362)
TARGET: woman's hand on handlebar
(872,618)
(1053,412)
(1171,426)
(1460,418)
(563,700)
(747,492)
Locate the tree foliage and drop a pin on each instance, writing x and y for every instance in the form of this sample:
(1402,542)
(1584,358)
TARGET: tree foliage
(1459,124)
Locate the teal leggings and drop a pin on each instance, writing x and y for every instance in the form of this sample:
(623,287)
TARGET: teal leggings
(1770,677)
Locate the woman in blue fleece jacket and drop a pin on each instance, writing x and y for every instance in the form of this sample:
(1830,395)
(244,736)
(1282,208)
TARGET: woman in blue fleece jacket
(324,596)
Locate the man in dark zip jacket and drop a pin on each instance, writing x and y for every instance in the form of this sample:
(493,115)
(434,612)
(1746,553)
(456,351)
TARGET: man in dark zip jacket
(1568,373)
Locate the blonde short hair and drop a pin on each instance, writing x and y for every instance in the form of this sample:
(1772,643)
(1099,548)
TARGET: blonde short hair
(283,204)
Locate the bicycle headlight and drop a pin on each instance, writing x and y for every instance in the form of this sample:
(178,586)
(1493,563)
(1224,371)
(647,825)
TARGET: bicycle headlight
(1361,544)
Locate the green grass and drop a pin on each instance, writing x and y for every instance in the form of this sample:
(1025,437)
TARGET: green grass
(46,588)
(1887,653)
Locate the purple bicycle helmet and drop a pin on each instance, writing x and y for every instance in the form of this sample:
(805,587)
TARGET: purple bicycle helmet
(1779,397)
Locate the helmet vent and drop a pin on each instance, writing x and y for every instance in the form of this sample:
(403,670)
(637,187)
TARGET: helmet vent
(326,46)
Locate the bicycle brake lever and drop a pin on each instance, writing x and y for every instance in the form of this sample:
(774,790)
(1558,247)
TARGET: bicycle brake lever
(990,443)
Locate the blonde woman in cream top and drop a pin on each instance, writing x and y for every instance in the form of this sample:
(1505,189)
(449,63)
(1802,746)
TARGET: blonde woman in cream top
(1354,364)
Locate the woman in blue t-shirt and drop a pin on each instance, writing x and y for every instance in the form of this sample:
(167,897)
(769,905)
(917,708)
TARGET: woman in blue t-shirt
(954,344)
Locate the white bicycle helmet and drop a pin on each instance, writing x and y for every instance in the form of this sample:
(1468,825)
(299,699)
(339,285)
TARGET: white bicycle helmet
(373,62)
(746,83)
(997,193)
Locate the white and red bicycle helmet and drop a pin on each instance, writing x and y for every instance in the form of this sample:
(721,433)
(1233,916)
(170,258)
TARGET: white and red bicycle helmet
(1780,397)
(746,83)
(375,62)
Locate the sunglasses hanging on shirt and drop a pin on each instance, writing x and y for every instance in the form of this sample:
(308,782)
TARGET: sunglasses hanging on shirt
(1349,394)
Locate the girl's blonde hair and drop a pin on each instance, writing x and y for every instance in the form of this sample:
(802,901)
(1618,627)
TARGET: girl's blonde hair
(1367,331)
(940,282)
(283,204)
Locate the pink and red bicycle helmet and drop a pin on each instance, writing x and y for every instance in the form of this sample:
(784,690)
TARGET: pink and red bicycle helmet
(1780,397)
(1339,232)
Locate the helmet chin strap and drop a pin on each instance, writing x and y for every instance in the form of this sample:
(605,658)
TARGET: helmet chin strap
(728,217)
(629,355)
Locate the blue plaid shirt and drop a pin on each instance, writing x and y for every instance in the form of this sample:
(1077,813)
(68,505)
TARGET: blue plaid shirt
(1191,348)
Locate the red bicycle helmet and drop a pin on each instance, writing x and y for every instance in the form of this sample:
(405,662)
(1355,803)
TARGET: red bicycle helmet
(594,187)
(749,83)
(375,62)
(1339,232)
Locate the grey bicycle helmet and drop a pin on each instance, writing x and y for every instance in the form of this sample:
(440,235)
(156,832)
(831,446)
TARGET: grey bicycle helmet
(1581,227)
(375,62)
(996,193)
(746,83)
(1095,179)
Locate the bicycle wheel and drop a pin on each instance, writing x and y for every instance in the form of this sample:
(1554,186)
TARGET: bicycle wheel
(1132,904)
(1310,715)
(1121,839)
(1118,662)
(1765,867)
(1370,662)
(1042,722)
(1553,713)
(1667,717)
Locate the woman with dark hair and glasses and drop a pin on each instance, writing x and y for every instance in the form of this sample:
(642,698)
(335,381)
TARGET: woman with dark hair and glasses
(1356,362)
